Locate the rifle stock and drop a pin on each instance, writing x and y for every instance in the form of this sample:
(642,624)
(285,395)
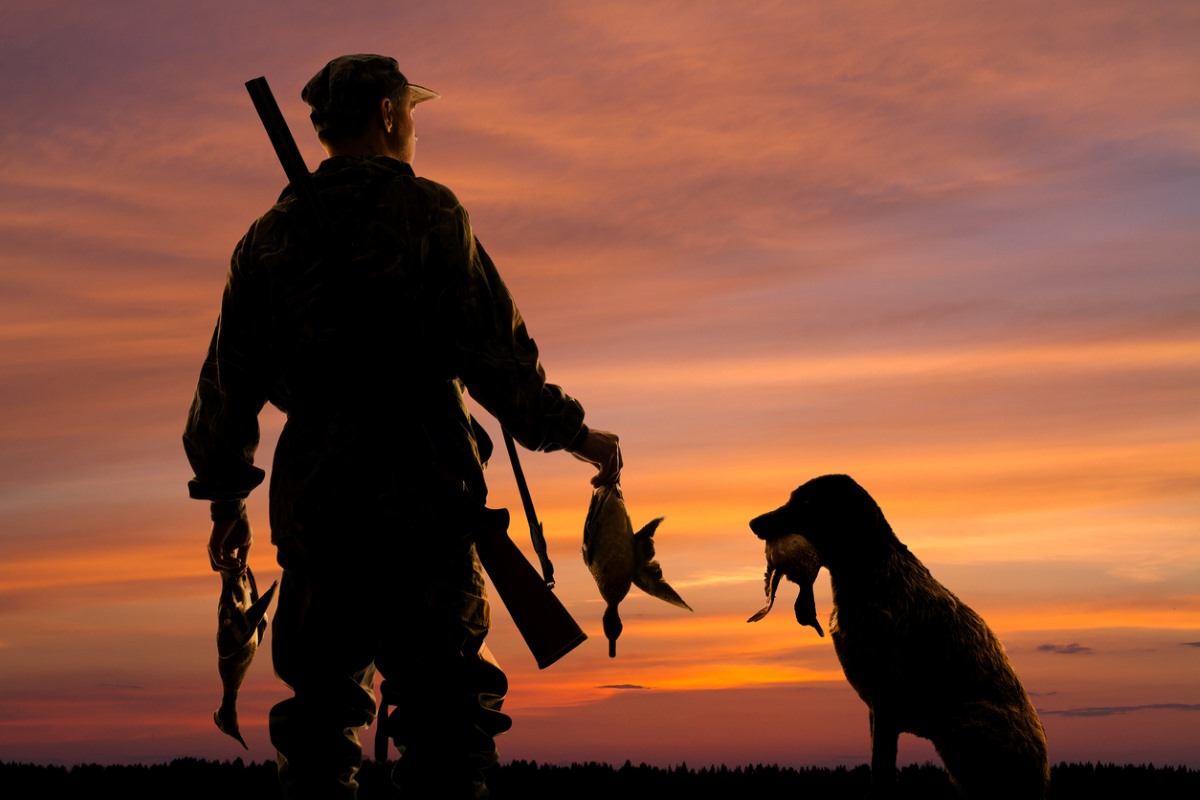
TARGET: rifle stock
(547,627)
(544,623)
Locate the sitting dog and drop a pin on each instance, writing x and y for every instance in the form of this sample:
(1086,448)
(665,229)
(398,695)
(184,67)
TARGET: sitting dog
(921,660)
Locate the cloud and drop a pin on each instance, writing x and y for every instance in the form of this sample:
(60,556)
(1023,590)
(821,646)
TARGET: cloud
(1190,644)
(1112,711)
(622,686)
(1065,649)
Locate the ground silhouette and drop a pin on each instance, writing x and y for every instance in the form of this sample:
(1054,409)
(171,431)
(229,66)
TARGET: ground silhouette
(195,779)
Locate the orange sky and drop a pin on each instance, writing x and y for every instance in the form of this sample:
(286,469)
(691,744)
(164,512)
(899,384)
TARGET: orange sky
(948,248)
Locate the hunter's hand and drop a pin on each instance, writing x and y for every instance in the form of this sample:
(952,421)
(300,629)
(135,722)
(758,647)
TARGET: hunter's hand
(229,545)
(602,450)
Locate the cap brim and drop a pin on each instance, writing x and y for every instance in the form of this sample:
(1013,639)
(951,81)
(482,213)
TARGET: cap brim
(419,94)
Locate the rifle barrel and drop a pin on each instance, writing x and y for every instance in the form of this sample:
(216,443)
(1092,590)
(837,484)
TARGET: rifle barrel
(287,151)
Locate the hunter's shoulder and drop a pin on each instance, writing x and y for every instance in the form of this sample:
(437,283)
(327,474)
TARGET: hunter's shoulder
(438,194)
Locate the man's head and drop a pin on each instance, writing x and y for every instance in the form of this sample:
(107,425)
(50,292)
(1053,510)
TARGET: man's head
(352,94)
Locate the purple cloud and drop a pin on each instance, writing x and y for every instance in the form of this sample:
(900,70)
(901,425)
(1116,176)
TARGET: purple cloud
(1111,711)
(1074,648)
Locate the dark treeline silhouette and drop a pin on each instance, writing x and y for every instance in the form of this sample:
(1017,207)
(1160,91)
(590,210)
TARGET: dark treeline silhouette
(189,778)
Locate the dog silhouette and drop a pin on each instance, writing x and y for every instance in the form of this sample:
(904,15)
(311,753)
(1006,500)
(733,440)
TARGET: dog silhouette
(922,661)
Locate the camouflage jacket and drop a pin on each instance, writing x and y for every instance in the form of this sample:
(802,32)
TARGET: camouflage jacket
(366,347)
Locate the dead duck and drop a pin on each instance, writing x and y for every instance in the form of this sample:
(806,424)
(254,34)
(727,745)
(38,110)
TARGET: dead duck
(241,622)
(618,558)
(792,557)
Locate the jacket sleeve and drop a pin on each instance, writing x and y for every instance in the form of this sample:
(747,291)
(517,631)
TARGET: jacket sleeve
(221,434)
(493,352)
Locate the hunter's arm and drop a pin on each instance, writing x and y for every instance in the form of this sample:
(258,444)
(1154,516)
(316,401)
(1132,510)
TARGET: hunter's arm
(494,354)
(221,434)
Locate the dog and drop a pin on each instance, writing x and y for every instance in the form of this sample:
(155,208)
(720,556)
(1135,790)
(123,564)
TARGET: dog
(922,661)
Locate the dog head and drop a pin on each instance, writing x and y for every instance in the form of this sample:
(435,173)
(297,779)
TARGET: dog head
(836,515)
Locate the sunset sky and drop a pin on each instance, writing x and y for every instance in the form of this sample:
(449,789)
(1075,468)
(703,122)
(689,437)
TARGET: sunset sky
(949,248)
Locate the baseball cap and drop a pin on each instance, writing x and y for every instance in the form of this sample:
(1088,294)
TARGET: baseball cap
(353,84)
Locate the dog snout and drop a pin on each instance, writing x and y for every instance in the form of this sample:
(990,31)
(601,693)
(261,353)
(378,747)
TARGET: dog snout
(771,525)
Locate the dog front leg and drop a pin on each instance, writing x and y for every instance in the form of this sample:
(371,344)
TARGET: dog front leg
(884,740)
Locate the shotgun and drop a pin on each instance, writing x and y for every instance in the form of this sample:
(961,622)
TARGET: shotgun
(544,623)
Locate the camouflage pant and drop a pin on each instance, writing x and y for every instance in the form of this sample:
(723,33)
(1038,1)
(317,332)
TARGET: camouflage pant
(423,628)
